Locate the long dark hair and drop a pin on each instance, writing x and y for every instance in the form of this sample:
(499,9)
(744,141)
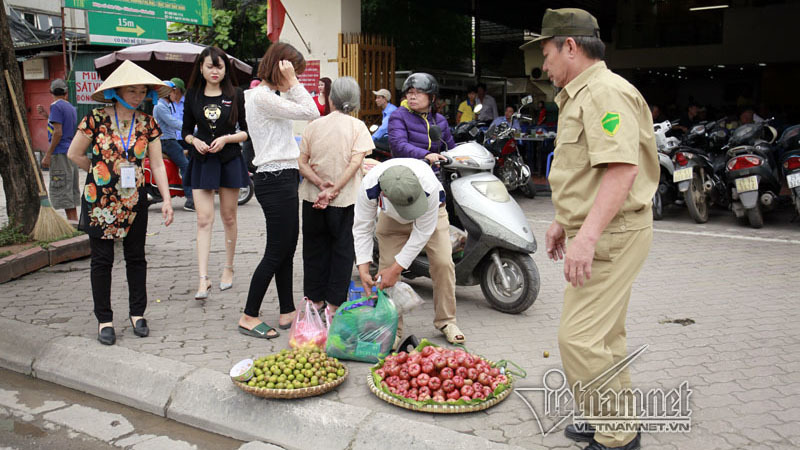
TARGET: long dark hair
(228,84)
(326,94)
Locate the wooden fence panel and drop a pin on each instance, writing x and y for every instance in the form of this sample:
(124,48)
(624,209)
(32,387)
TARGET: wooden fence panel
(369,59)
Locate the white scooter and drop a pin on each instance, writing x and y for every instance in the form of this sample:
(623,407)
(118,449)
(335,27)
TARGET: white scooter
(500,241)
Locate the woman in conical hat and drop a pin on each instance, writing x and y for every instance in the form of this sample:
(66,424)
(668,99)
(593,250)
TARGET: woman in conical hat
(114,204)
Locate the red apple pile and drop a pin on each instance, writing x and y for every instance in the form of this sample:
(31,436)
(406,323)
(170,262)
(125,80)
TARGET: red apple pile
(439,374)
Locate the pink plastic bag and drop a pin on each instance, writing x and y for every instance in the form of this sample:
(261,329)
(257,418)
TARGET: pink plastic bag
(308,328)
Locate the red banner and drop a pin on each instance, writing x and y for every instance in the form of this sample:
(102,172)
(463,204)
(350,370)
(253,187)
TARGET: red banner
(276,14)
(310,77)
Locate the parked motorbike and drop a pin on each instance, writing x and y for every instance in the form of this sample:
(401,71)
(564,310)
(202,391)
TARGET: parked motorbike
(700,166)
(500,242)
(500,141)
(176,183)
(752,171)
(667,192)
(789,143)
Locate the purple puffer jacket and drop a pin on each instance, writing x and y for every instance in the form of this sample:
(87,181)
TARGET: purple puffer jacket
(408,134)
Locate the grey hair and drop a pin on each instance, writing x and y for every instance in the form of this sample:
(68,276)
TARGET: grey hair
(592,46)
(345,95)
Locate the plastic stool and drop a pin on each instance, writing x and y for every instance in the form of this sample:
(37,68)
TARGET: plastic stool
(549,160)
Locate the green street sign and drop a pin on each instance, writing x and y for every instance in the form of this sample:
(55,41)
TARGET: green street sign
(196,12)
(116,29)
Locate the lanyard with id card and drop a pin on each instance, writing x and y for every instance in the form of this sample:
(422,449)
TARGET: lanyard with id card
(127,170)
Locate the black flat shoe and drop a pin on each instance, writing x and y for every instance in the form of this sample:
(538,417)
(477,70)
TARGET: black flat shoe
(635,444)
(140,328)
(583,434)
(106,336)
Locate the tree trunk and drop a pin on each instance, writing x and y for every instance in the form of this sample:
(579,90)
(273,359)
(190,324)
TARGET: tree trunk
(19,175)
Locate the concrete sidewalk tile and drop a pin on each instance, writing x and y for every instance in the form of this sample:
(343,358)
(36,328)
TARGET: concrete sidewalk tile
(258,445)
(388,432)
(21,344)
(112,372)
(98,424)
(208,400)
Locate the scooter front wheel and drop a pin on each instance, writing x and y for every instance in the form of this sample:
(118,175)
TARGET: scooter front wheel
(246,193)
(522,279)
(658,205)
(528,189)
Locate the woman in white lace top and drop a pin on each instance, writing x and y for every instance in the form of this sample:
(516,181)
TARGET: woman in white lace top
(270,118)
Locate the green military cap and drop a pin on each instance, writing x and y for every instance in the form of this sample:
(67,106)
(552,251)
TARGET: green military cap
(566,22)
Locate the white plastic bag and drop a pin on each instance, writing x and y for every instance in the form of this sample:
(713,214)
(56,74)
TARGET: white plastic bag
(403,297)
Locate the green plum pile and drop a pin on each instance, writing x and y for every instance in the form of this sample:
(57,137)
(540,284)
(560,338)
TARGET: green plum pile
(296,369)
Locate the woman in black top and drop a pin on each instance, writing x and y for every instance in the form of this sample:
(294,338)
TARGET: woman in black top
(215,107)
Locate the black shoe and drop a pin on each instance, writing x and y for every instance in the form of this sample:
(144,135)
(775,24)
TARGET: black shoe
(635,444)
(583,434)
(189,205)
(106,336)
(140,328)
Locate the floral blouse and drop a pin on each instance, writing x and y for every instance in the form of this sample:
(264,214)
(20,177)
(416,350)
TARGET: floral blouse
(108,210)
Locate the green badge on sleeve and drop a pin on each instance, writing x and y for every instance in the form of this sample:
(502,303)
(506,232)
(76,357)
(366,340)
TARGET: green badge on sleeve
(610,123)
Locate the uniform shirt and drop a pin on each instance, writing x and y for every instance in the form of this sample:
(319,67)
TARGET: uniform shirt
(383,130)
(602,119)
(370,200)
(62,111)
(467,114)
(330,142)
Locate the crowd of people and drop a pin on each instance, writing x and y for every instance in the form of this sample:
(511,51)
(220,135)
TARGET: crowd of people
(202,126)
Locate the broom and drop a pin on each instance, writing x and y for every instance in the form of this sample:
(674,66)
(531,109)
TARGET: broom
(49,225)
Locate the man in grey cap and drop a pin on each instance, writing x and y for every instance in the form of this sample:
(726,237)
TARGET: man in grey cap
(62,121)
(603,177)
(383,98)
(412,217)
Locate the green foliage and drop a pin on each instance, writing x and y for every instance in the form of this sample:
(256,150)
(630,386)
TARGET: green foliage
(240,29)
(425,37)
(12,234)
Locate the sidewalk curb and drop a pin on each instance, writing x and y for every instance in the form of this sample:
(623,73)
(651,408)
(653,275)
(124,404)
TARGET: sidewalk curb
(208,400)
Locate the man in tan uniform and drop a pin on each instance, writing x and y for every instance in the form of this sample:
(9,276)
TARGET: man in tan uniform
(603,177)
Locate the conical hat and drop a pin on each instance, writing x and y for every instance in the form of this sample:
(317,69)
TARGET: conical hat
(129,74)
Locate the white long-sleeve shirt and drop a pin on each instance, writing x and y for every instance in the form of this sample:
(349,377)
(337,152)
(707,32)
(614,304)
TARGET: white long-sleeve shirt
(269,123)
(370,200)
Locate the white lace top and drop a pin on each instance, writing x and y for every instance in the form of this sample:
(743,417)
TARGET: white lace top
(269,123)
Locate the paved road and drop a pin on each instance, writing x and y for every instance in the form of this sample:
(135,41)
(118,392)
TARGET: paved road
(740,357)
(35,414)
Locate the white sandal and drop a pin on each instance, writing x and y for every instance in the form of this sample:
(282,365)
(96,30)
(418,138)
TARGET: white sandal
(453,334)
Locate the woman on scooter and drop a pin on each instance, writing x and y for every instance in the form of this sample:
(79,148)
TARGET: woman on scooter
(410,125)
(114,199)
(215,106)
(270,117)
(331,153)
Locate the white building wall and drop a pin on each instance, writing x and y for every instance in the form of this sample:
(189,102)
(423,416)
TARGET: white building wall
(72,17)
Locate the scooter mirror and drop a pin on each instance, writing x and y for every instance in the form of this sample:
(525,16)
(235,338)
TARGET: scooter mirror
(373,128)
(526,100)
(478,108)
(435,133)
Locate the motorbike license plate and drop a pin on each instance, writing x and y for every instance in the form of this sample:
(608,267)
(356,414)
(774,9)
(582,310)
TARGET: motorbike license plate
(793,180)
(747,184)
(682,175)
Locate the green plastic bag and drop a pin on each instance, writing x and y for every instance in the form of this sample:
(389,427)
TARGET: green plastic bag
(363,329)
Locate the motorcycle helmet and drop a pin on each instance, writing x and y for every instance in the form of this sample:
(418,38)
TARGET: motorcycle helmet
(423,82)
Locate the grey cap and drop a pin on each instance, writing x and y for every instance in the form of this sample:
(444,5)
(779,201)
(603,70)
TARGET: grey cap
(401,186)
(58,87)
(383,93)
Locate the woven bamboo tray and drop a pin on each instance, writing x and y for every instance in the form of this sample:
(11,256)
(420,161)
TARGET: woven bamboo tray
(293,393)
(439,408)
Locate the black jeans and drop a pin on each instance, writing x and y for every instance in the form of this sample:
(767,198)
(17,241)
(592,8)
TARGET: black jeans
(277,194)
(327,252)
(135,268)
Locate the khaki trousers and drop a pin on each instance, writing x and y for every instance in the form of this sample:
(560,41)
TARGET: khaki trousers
(393,235)
(591,336)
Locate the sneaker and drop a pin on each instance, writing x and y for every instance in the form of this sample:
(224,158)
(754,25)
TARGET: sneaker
(189,205)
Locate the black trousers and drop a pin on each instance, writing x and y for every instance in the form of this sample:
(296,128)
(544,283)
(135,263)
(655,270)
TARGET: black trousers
(328,252)
(135,268)
(277,194)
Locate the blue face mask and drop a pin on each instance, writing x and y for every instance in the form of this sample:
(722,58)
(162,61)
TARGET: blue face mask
(111,94)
